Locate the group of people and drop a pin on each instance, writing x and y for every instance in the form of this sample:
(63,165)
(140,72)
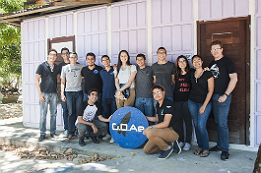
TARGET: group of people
(170,95)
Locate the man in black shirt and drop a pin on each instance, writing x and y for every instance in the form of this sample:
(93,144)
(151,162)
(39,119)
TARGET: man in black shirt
(225,75)
(162,135)
(91,118)
(91,75)
(65,53)
(47,73)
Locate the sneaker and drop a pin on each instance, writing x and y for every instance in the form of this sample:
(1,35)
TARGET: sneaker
(186,146)
(107,137)
(94,139)
(69,138)
(181,144)
(224,155)
(52,136)
(65,134)
(176,146)
(41,138)
(215,148)
(81,142)
(112,141)
(165,154)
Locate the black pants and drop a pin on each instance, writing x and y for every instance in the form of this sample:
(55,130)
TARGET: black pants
(181,108)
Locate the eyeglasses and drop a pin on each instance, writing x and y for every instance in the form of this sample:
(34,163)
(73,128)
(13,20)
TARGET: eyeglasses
(196,61)
(67,53)
(52,54)
(156,92)
(105,60)
(181,61)
(216,49)
(140,59)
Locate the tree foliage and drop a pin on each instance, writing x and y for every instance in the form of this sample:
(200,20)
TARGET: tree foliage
(10,45)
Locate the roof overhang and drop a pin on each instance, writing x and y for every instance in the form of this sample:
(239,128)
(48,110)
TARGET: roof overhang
(16,18)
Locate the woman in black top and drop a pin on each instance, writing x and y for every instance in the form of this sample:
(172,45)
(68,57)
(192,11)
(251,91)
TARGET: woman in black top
(202,88)
(181,94)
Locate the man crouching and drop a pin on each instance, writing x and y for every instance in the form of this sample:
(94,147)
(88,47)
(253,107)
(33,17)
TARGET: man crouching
(91,118)
(162,136)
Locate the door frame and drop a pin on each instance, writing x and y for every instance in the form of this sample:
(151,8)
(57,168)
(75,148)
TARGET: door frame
(247,55)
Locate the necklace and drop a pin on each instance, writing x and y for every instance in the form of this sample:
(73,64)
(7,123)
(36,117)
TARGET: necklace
(198,76)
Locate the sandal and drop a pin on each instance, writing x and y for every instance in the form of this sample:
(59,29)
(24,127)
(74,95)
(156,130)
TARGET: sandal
(205,153)
(198,151)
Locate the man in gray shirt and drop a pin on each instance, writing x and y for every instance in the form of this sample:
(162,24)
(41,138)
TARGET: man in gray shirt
(144,83)
(163,72)
(72,79)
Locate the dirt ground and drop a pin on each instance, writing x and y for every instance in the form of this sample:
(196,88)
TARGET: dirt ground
(11,110)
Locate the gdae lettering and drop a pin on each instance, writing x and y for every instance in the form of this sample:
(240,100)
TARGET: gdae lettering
(124,127)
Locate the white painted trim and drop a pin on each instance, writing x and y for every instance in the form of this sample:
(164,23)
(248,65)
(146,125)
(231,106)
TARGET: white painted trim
(75,21)
(195,16)
(252,71)
(46,33)
(149,33)
(22,61)
(109,31)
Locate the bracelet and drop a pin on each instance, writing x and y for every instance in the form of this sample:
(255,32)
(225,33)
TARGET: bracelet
(226,94)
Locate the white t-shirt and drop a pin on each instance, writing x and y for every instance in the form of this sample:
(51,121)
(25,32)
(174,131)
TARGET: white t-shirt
(124,74)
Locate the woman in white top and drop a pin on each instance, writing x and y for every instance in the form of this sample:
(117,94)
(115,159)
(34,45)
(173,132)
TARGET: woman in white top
(124,80)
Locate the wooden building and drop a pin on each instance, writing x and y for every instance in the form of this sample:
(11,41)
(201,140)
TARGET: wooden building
(141,26)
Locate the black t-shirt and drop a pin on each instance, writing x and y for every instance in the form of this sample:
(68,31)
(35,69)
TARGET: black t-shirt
(48,77)
(92,78)
(199,87)
(90,112)
(220,70)
(163,73)
(167,107)
(182,87)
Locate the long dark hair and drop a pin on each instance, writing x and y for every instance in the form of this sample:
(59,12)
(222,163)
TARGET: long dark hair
(119,60)
(178,69)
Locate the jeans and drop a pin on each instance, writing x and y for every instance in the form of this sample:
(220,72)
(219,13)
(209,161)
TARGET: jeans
(73,100)
(200,121)
(182,110)
(65,114)
(145,105)
(108,106)
(50,98)
(101,126)
(85,97)
(220,112)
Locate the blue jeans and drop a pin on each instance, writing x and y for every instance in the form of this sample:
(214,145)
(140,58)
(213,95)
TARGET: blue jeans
(220,112)
(146,106)
(108,106)
(85,97)
(65,114)
(200,121)
(73,100)
(51,99)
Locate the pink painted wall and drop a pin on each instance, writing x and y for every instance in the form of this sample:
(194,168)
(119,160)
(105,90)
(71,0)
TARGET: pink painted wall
(61,25)
(220,9)
(92,33)
(172,27)
(129,29)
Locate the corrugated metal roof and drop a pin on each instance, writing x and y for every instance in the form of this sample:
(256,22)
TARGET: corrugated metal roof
(15,18)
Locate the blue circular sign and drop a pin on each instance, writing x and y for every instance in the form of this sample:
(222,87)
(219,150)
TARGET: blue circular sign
(126,127)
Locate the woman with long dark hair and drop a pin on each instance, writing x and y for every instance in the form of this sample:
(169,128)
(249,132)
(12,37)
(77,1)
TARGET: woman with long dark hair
(124,80)
(202,88)
(181,95)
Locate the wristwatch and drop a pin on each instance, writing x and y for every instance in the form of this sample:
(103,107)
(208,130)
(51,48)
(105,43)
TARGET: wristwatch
(151,127)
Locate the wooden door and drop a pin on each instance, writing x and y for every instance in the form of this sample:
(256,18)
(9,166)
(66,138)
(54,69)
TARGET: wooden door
(235,35)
